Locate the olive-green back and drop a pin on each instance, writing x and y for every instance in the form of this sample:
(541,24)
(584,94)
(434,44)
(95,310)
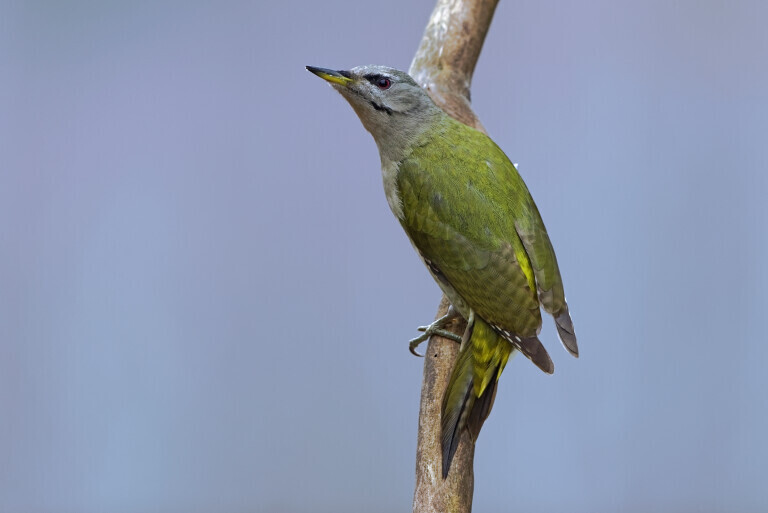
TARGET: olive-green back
(468,211)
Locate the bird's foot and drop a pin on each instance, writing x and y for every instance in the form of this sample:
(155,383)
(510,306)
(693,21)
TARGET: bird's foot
(436,328)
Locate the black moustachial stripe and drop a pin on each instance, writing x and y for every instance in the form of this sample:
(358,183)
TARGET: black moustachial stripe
(381,107)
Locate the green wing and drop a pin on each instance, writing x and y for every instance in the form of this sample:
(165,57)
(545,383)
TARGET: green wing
(473,220)
(548,281)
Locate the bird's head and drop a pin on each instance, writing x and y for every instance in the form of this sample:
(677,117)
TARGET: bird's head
(390,104)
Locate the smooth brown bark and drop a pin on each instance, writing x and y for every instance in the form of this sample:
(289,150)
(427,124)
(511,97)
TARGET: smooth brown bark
(443,65)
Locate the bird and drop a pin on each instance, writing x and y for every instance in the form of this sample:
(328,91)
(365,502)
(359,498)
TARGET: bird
(473,222)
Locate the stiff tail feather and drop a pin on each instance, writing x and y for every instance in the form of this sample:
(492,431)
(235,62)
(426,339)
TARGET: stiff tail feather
(472,386)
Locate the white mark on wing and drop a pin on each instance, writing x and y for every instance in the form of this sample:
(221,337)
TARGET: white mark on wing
(506,334)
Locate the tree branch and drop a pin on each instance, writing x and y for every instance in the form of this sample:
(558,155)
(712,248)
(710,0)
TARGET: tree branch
(443,65)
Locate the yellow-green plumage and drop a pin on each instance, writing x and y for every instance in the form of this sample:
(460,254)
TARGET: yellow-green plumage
(460,206)
(472,386)
(471,217)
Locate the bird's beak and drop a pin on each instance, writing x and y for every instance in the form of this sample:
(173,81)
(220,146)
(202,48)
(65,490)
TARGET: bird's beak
(334,77)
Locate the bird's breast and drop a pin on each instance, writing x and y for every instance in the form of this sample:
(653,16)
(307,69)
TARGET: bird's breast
(389,170)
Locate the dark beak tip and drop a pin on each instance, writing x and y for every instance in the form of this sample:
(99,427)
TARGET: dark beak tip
(316,69)
(335,77)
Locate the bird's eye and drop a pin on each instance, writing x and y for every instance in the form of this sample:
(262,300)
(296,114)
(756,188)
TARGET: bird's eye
(383,83)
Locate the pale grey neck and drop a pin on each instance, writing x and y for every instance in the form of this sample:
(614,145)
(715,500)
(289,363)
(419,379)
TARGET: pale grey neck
(397,134)
(396,141)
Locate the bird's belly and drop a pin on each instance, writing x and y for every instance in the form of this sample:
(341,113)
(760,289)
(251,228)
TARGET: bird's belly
(454,297)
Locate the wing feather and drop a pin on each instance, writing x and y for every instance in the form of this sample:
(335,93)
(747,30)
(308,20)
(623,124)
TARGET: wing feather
(470,214)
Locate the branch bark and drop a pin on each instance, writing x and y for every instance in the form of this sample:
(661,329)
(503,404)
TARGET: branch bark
(443,65)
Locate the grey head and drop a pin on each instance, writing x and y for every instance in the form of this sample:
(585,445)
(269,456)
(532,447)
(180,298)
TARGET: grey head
(390,104)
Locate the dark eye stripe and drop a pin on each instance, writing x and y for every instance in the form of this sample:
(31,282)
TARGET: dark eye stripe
(380,81)
(373,77)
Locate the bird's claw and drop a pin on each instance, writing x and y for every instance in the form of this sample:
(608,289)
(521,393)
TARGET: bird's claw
(430,330)
(436,328)
(414,343)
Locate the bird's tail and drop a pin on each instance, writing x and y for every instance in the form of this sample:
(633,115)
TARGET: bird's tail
(472,387)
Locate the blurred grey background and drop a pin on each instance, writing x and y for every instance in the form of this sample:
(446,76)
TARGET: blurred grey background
(205,301)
